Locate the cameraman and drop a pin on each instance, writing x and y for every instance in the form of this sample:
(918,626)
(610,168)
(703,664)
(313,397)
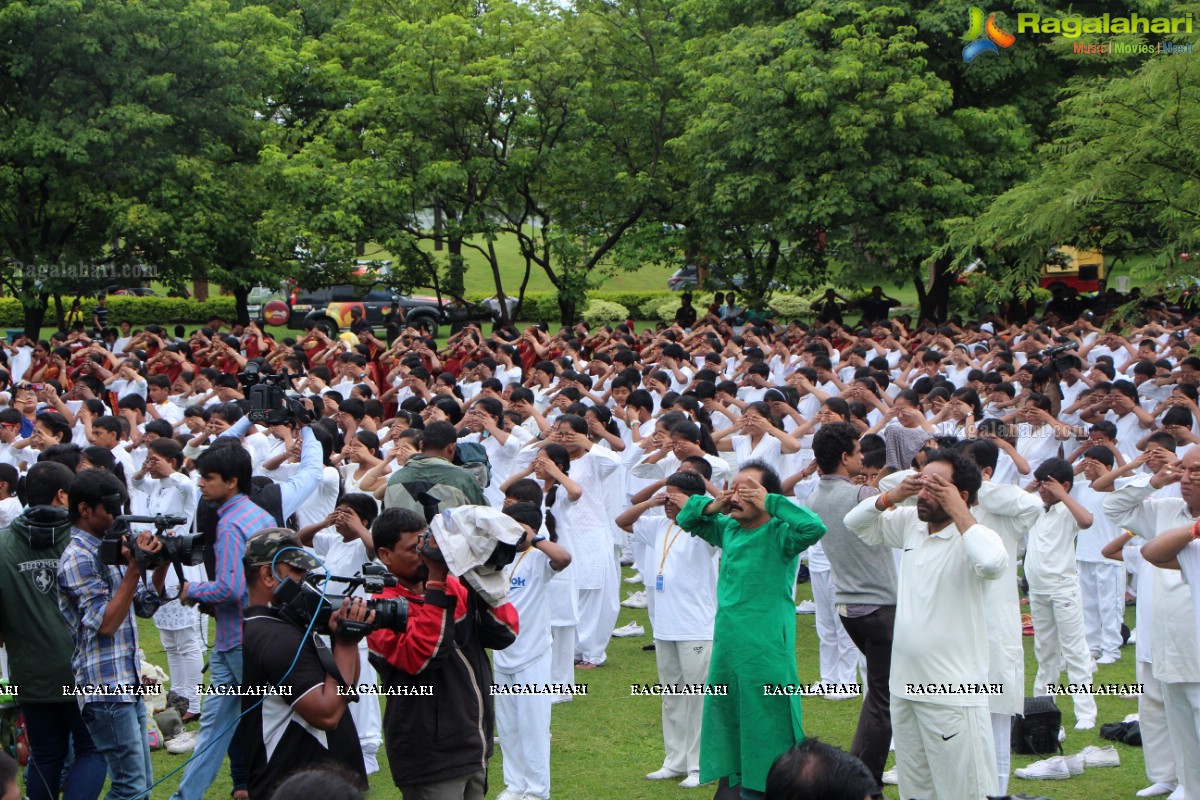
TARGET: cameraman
(39,643)
(95,600)
(278,734)
(438,744)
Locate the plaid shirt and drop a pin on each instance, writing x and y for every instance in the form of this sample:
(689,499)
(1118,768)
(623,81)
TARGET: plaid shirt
(238,519)
(85,588)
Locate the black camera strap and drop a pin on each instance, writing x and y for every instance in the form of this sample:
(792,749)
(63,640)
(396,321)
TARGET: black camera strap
(325,656)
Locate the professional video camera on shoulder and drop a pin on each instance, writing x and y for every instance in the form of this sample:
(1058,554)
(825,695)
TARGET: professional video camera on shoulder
(267,394)
(300,602)
(183,551)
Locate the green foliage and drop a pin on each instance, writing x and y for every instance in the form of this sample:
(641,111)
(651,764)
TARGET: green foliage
(602,312)
(166,311)
(788,307)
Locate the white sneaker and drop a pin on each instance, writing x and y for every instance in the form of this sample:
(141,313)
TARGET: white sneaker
(1075,764)
(510,794)
(806,607)
(665,774)
(1130,718)
(634,579)
(555,699)
(1100,756)
(183,743)
(1108,659)
(635,600)
(626,561)
(692,781)
(1178,794)
(1085,725)
(1050,769)
(632,629)
(891,777)
(1157,789)
(1062,735)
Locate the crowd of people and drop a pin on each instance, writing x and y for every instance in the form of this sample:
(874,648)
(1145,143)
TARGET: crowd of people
(908,470)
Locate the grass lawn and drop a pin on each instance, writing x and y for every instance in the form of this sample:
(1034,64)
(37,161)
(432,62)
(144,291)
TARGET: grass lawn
(605,742)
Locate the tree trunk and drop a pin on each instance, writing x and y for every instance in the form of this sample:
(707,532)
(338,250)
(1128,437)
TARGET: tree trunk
(35,317)
(458,268)
(199,290)
(566,309)
(437,226)
(935,301)
(241,294)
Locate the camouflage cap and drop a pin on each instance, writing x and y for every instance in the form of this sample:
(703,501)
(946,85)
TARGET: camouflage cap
(262,547)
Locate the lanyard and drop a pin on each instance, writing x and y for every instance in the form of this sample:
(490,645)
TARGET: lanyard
(519,560)
(667,546)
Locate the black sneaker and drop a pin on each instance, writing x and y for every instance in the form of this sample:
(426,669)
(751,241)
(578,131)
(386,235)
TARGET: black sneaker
(648,647)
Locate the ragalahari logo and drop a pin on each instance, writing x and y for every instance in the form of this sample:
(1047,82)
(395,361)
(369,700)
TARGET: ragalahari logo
(984,37)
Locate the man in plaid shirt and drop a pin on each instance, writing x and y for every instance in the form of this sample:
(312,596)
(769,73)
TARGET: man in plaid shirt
(95,600)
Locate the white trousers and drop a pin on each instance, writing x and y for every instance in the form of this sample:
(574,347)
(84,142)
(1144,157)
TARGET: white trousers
(368,719)
(682,663)
(838,656)
(185,662)
(1102,587)
(1182,702)
(943,752)
(598,610)
(1152,717)
(1057,640)
(562,658)
(523,724)
(1002,739)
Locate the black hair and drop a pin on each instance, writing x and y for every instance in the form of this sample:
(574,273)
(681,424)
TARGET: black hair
(699,465)
(369,440)
(329,781)
(168,448)
(134,401)
(230,462)
(1163,440)
(363,505)
(687,482)
(438,436)
(1178,415)
(965,473)
(574,422)
(392,523)
(65,454)
(983,452)
(1101,454)
(769,477)
(814,770)
(526,490)
(1055,468)
(871,442)
(831,442)
(527,514)
(45,480)
(92,487)
(10,476)
(57,424)
(874,459)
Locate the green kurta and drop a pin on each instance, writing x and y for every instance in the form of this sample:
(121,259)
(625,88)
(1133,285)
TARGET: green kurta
(754,640)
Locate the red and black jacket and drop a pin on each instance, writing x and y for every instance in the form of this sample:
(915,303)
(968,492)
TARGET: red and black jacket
(447,733)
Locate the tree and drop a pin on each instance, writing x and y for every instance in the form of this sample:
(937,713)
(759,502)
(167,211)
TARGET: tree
(100,101)
(1120,175)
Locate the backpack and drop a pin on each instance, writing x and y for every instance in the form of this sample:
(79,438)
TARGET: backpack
(473,457)
(424,497)
(1036,731)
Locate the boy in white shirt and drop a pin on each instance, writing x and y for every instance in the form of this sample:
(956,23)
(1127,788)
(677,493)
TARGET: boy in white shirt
(1055,601)
(1101,580)
(523,720)
(685,589)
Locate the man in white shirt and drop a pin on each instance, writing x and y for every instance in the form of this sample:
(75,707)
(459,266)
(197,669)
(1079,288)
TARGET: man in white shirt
(944,747)
(1139,508)
(1054,598)
(684,584)
(1101,580)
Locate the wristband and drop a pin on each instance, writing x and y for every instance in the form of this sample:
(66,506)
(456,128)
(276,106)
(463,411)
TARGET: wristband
(886,497)
(438,585)
(1130,534)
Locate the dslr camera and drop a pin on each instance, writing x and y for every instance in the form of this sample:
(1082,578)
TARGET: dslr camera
(182,551)
(270,404)
(300,602)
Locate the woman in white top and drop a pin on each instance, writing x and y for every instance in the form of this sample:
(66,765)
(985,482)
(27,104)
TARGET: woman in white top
(360,457)
(757,436)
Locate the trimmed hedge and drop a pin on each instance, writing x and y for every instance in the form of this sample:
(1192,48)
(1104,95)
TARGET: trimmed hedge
(543,306)
(138,310)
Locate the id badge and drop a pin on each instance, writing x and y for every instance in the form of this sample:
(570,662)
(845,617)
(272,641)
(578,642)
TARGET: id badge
(658,583)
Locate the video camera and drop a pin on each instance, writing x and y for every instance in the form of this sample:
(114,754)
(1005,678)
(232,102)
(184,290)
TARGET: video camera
(1051,353)
(270,404)
(300,602)
(182,551)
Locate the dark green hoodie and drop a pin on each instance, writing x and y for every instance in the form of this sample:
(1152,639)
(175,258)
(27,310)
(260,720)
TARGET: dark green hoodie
(38,641)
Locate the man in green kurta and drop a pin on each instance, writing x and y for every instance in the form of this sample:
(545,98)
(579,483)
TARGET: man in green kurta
(761,535)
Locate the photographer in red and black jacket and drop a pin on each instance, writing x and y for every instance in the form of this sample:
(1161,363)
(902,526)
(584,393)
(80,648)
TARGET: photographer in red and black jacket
(438,742)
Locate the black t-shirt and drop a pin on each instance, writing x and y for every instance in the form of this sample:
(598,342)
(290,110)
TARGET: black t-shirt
(685,317)
(276,740)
